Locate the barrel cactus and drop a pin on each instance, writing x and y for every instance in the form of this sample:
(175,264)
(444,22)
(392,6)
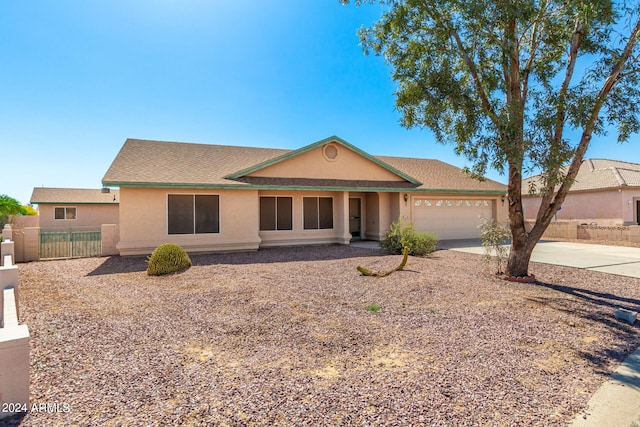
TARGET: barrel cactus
(167,258)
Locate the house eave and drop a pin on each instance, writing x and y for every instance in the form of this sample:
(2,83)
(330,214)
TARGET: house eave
(300,188)
(73,203)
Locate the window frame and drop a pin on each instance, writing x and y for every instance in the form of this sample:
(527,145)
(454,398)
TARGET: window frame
(291,211)
(75,211)
(194,213)
(318,213)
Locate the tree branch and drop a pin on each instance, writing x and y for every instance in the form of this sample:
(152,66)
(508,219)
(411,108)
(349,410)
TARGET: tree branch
(606,88)
(473,69)
(576,42)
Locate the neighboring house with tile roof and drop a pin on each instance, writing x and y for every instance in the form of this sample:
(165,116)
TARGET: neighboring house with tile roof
(217,197)
(76,207)
(606,192)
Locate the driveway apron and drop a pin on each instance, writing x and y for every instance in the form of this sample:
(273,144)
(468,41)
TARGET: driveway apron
(620,260)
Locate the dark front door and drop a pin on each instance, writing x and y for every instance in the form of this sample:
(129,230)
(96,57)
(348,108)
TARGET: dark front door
(638,212)
(355,221)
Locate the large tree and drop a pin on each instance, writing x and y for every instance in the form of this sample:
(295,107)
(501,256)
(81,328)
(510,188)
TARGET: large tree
(516,85)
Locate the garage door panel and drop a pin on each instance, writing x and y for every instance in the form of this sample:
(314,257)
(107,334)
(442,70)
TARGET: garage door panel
(450,218)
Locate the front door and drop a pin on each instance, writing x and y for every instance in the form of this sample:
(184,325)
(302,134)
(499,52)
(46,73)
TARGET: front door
(638,212)
(355,221)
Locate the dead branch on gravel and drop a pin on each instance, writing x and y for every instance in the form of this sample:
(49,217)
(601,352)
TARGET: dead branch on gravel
(367,272)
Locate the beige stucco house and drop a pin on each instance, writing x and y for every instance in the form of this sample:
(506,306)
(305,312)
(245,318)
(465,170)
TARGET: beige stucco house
(76,207)
(606,192)
(219,198)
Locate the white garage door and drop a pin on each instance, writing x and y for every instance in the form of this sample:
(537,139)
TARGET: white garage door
(450,218)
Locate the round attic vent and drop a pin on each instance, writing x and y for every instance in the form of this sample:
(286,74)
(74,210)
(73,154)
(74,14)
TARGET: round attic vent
(330,152)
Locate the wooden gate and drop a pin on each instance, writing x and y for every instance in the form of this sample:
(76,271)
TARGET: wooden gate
(70,242)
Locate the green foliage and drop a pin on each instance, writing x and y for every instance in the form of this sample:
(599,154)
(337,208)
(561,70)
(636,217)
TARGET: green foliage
(28,210)
(504,81)
(9,206)
(403,234)
(167,258)
(494,236)
(373,308)
(452,61)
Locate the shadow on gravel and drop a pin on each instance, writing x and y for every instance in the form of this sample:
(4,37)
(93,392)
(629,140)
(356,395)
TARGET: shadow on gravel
(286,254)
(117,265)
(598,298)
(14,420)
(600,308)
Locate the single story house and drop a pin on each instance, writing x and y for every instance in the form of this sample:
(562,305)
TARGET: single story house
(76,207)
(219,198)
(606,192)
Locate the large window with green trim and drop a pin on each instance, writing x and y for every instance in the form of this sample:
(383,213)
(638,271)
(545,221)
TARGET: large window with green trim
(317,213)
(193,213)
(276,213)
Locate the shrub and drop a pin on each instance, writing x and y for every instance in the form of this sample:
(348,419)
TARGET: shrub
(493,237)
(167,258)
(403,234)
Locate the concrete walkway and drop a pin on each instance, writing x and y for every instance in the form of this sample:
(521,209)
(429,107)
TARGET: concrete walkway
(617,401)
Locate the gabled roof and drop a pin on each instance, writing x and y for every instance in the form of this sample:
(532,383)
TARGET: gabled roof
(145,163)
(43,195)
(315,145)
(598,174)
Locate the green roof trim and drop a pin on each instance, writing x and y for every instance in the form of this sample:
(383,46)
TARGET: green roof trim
(315,145)
(75,203)
(299,188)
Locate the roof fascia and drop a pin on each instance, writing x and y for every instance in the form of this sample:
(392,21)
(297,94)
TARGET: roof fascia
(74,203)
(303,188)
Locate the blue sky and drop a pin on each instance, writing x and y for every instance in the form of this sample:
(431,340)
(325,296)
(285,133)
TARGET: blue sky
(77,78)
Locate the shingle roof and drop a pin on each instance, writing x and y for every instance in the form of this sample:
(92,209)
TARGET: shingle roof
(42,195)
(599,174)
(179,164)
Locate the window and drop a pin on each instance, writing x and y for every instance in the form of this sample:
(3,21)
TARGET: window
(193,214)
(318,212)
(64,213)
(276,213)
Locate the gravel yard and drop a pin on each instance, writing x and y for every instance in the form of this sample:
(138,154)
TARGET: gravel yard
(297,336)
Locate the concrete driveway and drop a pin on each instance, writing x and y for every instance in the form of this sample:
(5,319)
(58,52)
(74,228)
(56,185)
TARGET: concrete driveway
(620,260)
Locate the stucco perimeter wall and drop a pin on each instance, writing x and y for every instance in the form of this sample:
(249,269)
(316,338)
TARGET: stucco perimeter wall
(558,229)
(574,230)
(18,225)
(87,215)
(606,208)
(143,221)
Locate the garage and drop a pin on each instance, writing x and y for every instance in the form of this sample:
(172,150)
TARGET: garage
(450,218)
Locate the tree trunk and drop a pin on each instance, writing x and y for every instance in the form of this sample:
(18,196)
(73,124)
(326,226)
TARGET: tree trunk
(519,257)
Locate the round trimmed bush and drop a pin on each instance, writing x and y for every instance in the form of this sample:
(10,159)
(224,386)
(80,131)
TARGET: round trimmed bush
(167,258)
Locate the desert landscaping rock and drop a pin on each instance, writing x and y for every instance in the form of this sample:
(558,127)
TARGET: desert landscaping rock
(626,315)
(283,337)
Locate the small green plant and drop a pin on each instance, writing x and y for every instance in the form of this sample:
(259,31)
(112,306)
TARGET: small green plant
(167,258)
(403,234)
(373,308)
(494,237)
